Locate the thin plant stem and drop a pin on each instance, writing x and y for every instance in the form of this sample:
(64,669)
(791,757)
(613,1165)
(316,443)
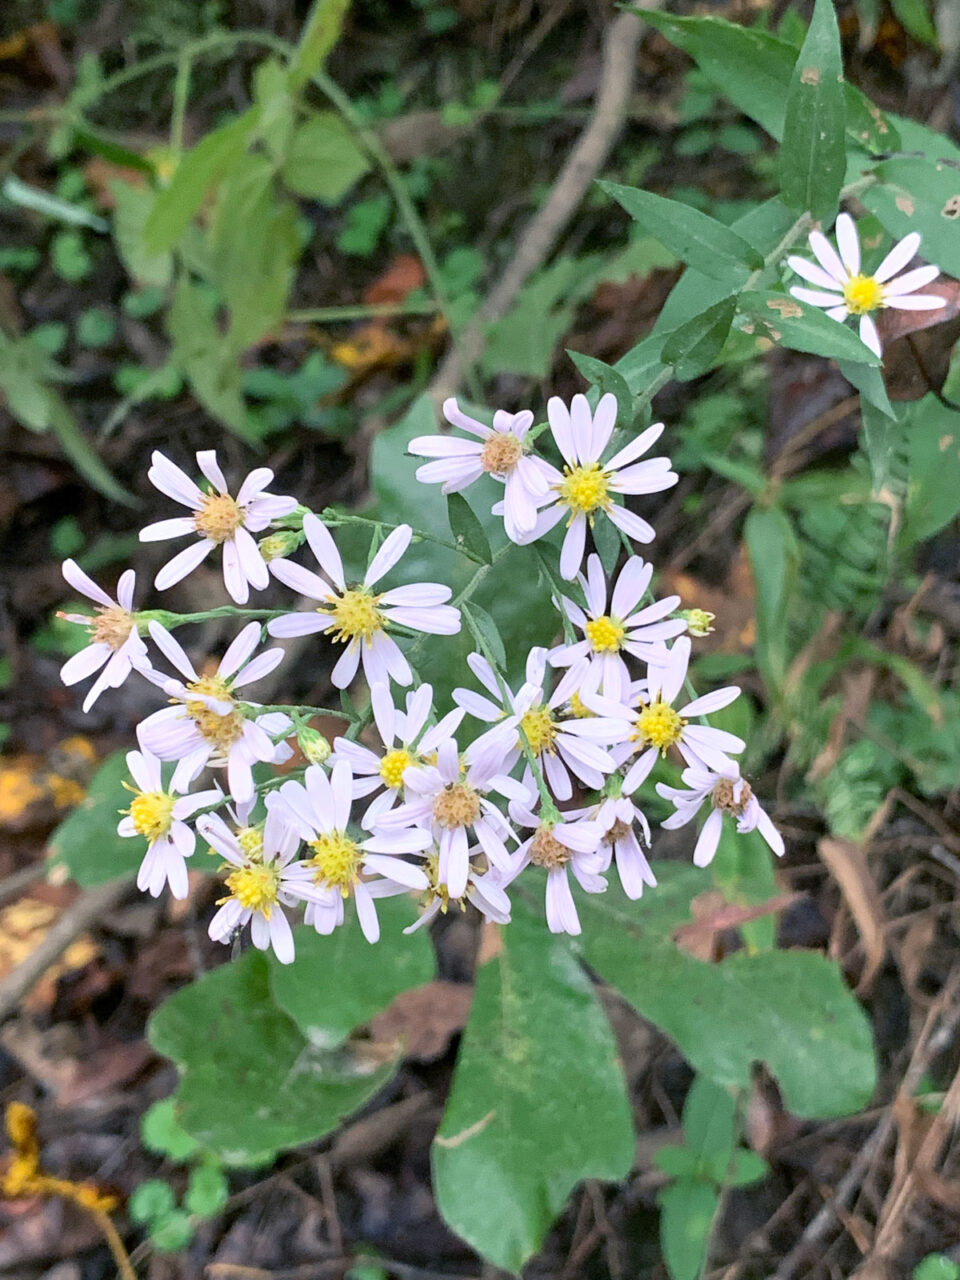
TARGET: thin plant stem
(335,315)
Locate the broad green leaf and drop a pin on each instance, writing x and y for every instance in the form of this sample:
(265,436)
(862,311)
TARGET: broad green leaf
(709,1120)
(340,981)
(606,378)
(687,1210)
(152,1199)
(802,327)
(914,17)
(320,33)
(774,554)
(201,354)
(695,346)
(86,844)
(921,193)
(161,1131)
(201,168)
(813,155)
(466,528)
(933,491)
(936,1266)
(677,1161)
(880,438)
(324,160)
(744,1168)
(207,1190)
(789,1009)
(642,363)
(485,633)
(524,341)
(250,1082)
(869,382)
(753,69)
(698,240)
(538,1101)
(132,207)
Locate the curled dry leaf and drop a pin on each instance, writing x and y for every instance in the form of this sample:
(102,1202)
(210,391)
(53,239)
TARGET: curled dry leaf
(847,863)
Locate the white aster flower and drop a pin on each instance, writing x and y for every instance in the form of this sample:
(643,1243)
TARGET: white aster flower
(559,745)
(407,745)
(114,639)
(448,801)
(319,809)
(624,629)
(651,724)
(588,485)
(357,616)
(158,814)
(217,520)
(260,884)
(726,792)
(484,891)
(205,726)
(618,817)
(572,844)
(499,452)
(851,293)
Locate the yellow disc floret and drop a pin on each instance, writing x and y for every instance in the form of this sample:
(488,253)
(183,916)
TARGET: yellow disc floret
(393,765)
(337,859)
(111,626)
(152,813)
(219,517)
(863,294)
(250,840)
(255,886)
(585,489)
(540,729)
(605,634)
(355,616)
(658,725)
(456,806)
(578,709)
(221,731)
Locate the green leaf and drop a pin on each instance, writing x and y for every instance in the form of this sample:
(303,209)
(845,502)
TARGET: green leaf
(813,156)
(800,326)
(789,1009)
(201,168)
(172,1231)
(881,436)
(162,1132)
(709,1120)
(687,1209)
(86,844)
(869,382)
(538,1101)
(485,632)
(312,991)
(324,161)
(251,1084)
(207,1190)
(774,555)
(82,454)
(698,240)
(753,69)
(466,528)
(606,378)
(695,346)
(677,1161)
(914,17)
(744,1168)
(933,491)
(132,207)
(152,1199)
(321,31)
(201,354)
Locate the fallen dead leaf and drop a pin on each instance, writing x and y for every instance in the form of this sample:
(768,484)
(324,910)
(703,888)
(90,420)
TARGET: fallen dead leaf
(404,274)
(425,1019)
(23,926)
(713,914)
(847,863)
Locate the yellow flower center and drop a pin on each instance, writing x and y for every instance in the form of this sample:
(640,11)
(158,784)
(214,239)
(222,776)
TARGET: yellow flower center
(255,887)
(723,797)
(862,294)
(219,517)
(392,766)
(354,616)
(605,634)
(577,708)
(437,890)
(111,625)
(222,731)
(501,453)
(585,489)
(547,851)
(658,725)
(456,806)
(152,813)
(540,729)
(250,840)
(337,859)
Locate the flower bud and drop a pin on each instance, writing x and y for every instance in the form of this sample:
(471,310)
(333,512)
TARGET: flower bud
(699,621)
(313,744)
(280,543)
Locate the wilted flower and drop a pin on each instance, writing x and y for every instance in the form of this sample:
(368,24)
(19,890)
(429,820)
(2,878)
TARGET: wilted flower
(114,639)
(727,793)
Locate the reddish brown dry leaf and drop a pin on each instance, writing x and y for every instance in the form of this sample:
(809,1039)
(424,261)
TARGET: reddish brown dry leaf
(425,1019)
(732,603)
(847,863)
(404,274)
(913,954)
(712,914)
(917,345)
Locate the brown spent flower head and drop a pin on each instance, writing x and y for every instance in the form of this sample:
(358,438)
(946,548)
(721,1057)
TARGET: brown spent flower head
(723,796)
(501,453)
(547,851)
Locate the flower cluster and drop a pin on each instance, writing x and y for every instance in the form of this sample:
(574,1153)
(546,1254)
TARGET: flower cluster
(545,774)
